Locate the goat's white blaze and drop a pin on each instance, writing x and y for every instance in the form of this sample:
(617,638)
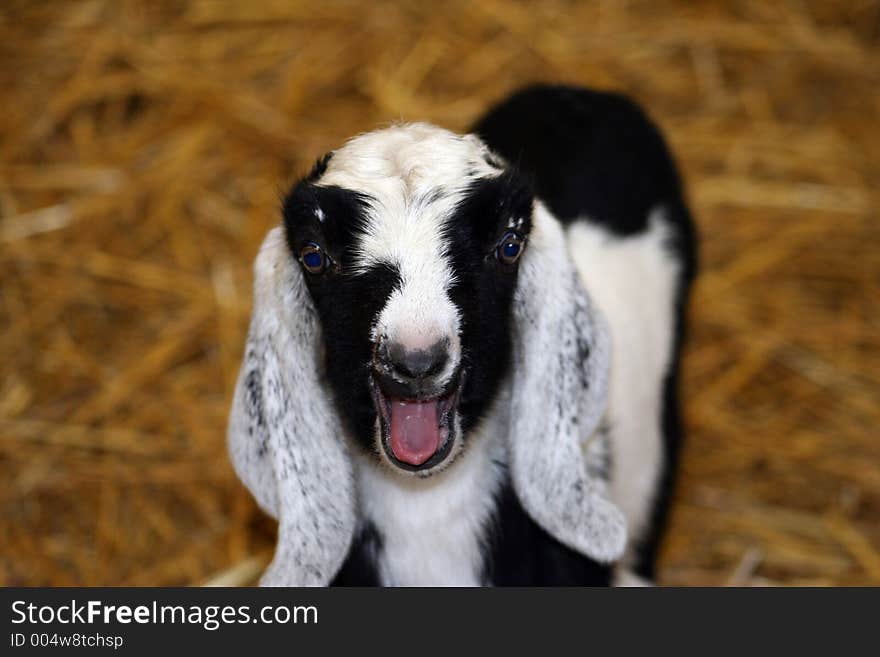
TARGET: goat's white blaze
(419,312)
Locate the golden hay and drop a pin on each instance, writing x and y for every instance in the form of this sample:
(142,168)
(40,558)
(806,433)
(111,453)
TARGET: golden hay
(143,149)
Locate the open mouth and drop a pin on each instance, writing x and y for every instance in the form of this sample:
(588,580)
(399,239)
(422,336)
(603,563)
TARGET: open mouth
(417,434)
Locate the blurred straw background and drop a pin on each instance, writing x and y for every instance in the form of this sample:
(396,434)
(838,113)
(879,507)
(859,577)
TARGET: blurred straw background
(143,147)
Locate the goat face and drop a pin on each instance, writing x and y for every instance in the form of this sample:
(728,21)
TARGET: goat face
(409,240)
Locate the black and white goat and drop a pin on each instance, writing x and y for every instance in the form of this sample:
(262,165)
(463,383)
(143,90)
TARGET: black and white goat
(463,358)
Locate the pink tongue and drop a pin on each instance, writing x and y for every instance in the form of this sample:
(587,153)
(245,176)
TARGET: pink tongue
(415,430)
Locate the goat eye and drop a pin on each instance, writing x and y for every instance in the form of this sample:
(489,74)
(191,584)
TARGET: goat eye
(509,248)
(313,258)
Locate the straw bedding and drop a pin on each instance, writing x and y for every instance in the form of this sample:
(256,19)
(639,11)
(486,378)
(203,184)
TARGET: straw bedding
(143,147)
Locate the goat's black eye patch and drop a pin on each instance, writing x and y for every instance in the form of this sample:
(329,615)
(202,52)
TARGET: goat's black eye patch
(493,203)
(322,224)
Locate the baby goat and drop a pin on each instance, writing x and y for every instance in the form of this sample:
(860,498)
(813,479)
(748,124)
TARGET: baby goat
(462,365)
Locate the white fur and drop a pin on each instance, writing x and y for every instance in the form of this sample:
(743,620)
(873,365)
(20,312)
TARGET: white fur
(432,528)
(633,280)
(411,160)
(625,578)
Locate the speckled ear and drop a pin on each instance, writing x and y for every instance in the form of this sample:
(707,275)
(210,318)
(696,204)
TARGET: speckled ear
(284,435)
(558,451)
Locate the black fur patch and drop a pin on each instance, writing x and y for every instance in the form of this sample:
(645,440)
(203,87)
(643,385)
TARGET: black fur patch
(521,553)
(588,153)
(484,287)
(346,303)
(359,568)
(254,391)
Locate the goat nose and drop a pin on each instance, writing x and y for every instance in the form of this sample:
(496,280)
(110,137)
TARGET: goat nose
(418,363)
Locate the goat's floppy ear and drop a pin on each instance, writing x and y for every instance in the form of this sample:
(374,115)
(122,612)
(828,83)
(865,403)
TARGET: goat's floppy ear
(560,381)
(284,436)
